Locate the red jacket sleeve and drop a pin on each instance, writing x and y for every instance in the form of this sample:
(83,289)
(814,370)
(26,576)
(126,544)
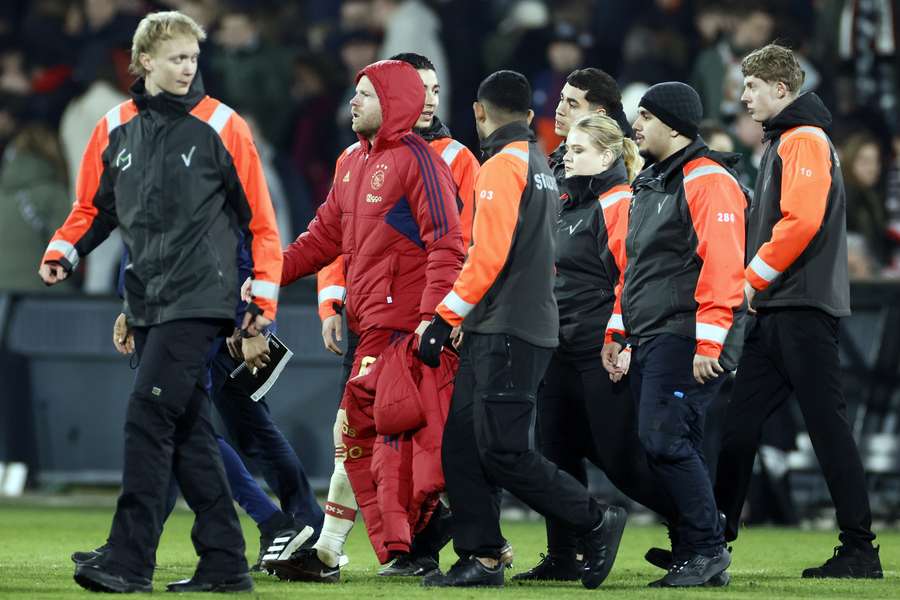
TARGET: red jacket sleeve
(316,247)
(432,196)
(717,204)
(805,180)
(93,216)
(499,186)
(331,282)
(615,204)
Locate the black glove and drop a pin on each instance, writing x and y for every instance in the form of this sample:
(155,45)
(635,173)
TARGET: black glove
(433,339)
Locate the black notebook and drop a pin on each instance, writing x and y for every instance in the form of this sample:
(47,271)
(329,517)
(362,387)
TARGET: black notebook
(258,384)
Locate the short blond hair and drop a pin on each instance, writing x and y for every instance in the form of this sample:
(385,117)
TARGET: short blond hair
(606,134)
(160,27)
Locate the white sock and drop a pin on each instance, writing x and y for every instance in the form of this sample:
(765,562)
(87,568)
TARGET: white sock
(341,507)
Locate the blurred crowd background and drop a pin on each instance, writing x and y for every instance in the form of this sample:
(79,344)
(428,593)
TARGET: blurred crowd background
(288,68)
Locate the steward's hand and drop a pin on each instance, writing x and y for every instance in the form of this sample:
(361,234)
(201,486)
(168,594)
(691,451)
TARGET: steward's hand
(706,368)
(123,337)
(610,356)
(331,334)
(233,343)
(52,272)
(256,351)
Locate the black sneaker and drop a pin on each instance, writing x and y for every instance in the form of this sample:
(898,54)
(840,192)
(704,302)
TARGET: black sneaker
(698,570)
(304,565)
(662,558)
(552,568)
(467,572)
(407,565)
(848,562)
(601,545)
(97,578)
(80,558)
(283,544)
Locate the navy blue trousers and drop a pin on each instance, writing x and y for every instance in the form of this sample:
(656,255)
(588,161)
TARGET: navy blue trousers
(671,409)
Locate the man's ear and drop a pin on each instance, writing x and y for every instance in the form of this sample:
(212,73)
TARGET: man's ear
(600,110)
(781,89)
(478,110)
(530,116)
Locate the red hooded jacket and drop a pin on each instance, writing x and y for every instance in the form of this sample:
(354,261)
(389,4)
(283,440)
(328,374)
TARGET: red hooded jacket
(397,420)
(391,212)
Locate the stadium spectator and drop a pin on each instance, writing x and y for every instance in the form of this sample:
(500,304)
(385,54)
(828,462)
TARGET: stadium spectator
(412,26)
(34,197)
(717,70)
(252,74)
(181,288)
(866,213)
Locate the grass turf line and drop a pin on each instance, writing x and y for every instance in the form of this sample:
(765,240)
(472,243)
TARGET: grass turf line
(37,542)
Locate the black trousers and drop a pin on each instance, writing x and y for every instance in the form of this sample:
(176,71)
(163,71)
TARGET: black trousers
(582,414)
(671,409)
(488,446)
(168,430)
(794,350)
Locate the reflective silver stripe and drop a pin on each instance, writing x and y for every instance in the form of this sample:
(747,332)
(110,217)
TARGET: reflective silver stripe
(613,198)
(67,249)
(712,333)
(332,292)
(457,304)
(616,323)
(113,119)
(708,170)
(523,154)
(220,117)
(264,289)
(450,152)
(807,129)
(761,268)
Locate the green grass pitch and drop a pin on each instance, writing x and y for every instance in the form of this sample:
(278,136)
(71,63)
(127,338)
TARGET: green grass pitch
(35,544)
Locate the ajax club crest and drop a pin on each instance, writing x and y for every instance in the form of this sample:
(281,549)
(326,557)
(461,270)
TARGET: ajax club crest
(379,175)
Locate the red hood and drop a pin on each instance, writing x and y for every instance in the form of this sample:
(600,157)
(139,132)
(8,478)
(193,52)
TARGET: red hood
(401,95)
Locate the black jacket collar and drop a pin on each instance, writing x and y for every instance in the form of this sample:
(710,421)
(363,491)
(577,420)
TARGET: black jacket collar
(517,131)
(435,131)
(166,103)
(657,175)
(584,188)
(807,109)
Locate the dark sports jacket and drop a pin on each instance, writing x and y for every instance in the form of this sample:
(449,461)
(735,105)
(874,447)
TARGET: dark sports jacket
(685,253)
(590,252)
(179,176)
(797,239)
(506,283)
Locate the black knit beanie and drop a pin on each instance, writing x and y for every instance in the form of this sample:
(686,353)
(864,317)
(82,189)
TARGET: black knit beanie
(677,105)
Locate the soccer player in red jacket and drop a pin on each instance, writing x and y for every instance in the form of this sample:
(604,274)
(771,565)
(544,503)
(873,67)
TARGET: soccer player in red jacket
(392,215)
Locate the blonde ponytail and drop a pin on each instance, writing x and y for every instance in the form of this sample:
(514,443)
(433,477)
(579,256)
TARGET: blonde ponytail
(605,134)
(634,162)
